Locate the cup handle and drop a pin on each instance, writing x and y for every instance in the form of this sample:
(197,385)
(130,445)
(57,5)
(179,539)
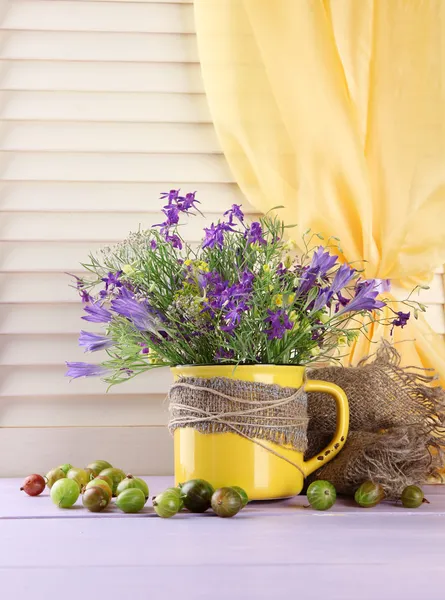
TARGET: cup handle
(341,430)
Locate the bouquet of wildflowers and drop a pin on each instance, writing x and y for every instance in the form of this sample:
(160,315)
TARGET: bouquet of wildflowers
(243,296)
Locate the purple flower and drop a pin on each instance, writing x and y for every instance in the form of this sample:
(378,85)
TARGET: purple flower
(322,299)
(153,244)
(97,313)
(222,354)
(278,322)
(187,203)
(112,280)
(215,235)
(342,277)
(82,369)
(233,316)
(342,301)
(174,240)
(365,298)
(171,195)
(138,312)
(255,234)
(401,321)
(145,348)
(85,296)
(93,342)
(234,212)
(322,261)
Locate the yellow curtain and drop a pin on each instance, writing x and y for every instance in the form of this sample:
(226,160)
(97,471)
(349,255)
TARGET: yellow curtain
(336,110)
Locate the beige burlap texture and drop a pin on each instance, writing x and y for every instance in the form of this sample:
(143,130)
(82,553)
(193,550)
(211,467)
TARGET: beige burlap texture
(256,411)
(397,418)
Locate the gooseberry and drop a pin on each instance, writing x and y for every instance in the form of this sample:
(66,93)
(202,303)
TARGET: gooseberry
(179,493)
(132,482)
(226,502)
(116,476)
(131,500)
(369,494)
(66,467)
(167,504)
(99,465)
(80,475)
(33,485)
(53,476)
(413,497)
(242,493)
(106,479)
(95,498)
(102,484)
(65,492)
(321,495)
(197,495)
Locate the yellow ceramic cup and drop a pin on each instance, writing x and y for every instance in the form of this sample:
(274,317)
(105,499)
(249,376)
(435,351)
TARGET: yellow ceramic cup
(226,459)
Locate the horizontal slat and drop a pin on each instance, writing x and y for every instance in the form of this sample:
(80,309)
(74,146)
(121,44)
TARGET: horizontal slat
(117,107)
(137,450)
(95,16)
(109,197)
(101,77)
(44,319)
(47,257)
(51,349)
(83,411)
(84,226)
(51,381)
(144,1)
(205,168)
(91,46)
(108,137)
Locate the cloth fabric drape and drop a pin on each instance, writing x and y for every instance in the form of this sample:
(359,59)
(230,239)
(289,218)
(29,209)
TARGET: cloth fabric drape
(336,110)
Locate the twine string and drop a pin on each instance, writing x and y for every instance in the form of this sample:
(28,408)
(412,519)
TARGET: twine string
(198,415)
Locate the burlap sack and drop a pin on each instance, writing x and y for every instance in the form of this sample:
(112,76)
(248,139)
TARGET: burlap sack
(397,419)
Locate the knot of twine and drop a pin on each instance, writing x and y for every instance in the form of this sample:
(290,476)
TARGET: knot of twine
(254,411)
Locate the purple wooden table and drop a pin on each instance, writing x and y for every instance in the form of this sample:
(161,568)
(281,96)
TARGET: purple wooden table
(269,550)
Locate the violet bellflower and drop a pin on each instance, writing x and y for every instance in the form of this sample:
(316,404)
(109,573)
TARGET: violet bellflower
(138,312)
(401,320)
(93,342)
(215,235)
(254,235)
(365,298)
(322,261)
(278,323)
(234,213)
(342,278)
(82,369)
(96,313)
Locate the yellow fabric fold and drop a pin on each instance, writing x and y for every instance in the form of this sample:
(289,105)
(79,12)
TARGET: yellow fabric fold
(336,110)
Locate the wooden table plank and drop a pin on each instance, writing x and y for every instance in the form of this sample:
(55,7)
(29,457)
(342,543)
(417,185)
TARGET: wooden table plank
(269,550)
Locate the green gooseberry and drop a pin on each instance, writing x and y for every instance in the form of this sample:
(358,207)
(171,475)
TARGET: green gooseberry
(132,482)
(66,467)
(80,475)
(65,492)
(116,476)
(321,495)
(413,497)
(178,492)
(226,502)
(242,493)
(167,504)
(105,478)
(53,476)
(131,500)
(102,484)
(197,495)
(99,465)
(369,494)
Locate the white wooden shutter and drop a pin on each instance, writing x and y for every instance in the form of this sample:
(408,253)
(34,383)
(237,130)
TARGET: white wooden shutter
(102,108)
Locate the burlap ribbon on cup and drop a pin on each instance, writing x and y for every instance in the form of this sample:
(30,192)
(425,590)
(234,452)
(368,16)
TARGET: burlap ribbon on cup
(397,418)
(255,411)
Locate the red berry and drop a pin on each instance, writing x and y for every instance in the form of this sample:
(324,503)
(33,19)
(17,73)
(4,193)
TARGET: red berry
(33,485)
